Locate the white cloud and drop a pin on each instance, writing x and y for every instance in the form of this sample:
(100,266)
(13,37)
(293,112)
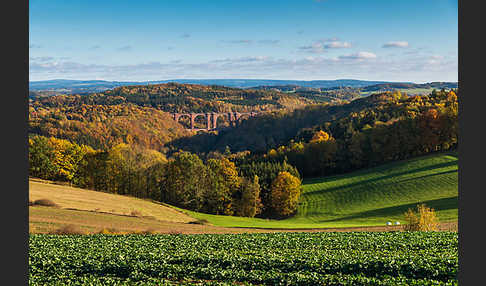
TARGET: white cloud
(322,45)
(41,59)
(337,45)
(315,48)
(241,59)
(435,60)
(125,48)
(396,44)
(358,56)
(239,41)
(360,65)
(269,42)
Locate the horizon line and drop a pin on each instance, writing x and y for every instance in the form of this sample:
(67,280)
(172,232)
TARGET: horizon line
(174,79)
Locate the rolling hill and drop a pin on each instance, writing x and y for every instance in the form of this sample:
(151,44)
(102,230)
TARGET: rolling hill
(92,211)
(103,126)
(368,197)
(86,86)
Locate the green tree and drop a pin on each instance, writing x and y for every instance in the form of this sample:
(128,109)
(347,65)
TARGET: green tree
(223,183)
(248,203)
(185,182)
(41,158)
(319,156)
(93,173)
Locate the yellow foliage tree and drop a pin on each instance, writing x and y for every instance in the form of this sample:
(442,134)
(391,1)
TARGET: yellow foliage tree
(320,136)
(224,181)
(297,147)
(272,153)
(285,193)
(66,158)
(422,220)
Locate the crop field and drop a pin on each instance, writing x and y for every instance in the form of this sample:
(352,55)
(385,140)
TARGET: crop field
(352,258)
(368,197)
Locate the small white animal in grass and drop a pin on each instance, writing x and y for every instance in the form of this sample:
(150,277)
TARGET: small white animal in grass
(397,223)
(388,223)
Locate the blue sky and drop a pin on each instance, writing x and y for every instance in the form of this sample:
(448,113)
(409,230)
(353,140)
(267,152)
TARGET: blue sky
(399,40)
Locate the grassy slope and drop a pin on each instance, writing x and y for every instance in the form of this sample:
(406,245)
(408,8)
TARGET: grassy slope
(92,211)
(368,197)
(81,199)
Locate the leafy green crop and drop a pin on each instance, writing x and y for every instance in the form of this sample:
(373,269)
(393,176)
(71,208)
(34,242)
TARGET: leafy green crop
(361,258)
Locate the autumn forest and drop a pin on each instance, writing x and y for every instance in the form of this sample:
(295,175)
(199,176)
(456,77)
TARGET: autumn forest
(124,141)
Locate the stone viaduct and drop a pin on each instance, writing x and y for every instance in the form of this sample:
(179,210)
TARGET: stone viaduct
(212,118)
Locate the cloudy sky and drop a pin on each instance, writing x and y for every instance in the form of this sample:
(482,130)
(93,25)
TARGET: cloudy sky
(399,40)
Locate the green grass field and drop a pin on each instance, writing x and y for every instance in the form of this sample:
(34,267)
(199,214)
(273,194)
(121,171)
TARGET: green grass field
(369,197)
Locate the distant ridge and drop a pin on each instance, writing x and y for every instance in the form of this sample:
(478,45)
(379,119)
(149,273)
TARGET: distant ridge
(76,86)
(66,86)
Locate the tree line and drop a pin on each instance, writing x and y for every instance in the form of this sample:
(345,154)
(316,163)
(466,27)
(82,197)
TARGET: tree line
(215,185)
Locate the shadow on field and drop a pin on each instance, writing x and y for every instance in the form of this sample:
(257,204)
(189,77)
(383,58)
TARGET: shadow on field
(363,182)
(426,176)
(438,205)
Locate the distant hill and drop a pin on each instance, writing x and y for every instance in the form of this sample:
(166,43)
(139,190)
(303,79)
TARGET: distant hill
(270,130)
(316,90)
(350,92)
(102,126)
(65,86)
(140,113)
(250,83)
(88,86)
(393,86)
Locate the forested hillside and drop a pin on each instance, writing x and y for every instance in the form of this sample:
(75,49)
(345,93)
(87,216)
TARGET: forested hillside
(353,92)
(123,141)
(85,86)
(139,114)
(103,126)
(277,128)
(390,86)
(174,97)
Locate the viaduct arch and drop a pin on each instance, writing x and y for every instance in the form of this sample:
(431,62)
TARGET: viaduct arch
(212,118)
